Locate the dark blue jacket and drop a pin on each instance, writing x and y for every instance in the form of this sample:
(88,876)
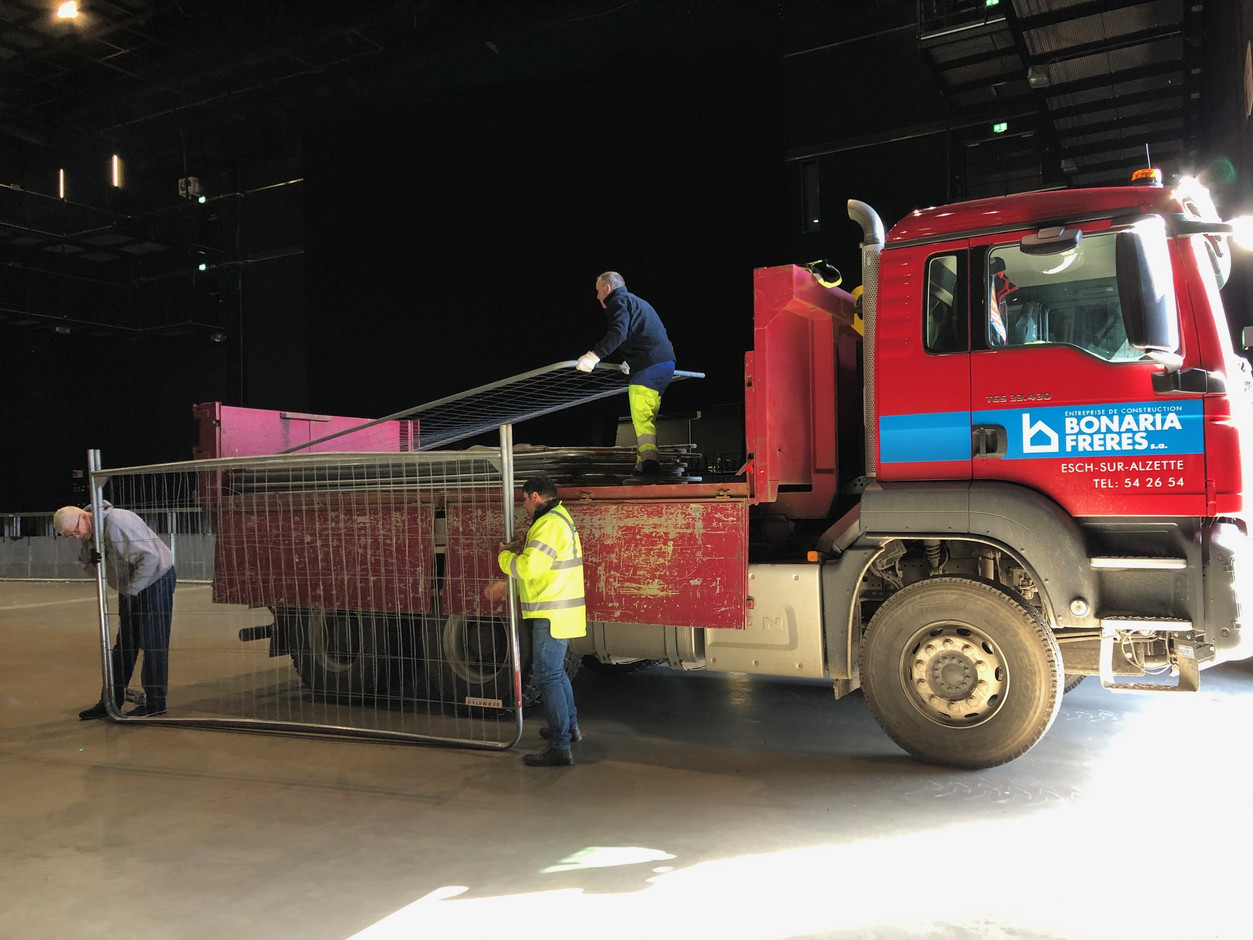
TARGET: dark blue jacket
(634,331)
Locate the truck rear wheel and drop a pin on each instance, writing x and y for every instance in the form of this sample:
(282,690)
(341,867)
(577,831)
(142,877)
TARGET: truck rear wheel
(961,672)
(469,664)
(334,651)
(469,661)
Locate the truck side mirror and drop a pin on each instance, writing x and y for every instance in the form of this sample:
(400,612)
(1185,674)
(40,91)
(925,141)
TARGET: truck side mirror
(1246,337)
(1146,287)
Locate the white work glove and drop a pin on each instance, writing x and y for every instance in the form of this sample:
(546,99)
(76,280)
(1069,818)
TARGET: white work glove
(587,361)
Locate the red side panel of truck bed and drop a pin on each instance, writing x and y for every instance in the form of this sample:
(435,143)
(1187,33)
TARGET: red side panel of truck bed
(475,531)
(341,551)
(682,564)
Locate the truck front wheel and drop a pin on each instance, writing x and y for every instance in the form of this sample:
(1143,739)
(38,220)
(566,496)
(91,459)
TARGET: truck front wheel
(961,672)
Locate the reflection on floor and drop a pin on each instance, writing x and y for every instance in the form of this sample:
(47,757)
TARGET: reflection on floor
(725,805)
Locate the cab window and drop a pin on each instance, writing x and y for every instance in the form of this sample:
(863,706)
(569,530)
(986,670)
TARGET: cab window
(945,320)
(1069,298)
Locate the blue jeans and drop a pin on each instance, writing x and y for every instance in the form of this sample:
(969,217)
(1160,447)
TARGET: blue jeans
(548,669)
(144,624)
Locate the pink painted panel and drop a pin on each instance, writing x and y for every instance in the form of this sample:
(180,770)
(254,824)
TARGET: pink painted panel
(228,431)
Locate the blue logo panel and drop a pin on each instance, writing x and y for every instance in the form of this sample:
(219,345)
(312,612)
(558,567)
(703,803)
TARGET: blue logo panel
(924,438)
(1125,428)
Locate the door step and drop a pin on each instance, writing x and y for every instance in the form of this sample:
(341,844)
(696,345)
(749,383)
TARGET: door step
(1133,563)
(1185,651)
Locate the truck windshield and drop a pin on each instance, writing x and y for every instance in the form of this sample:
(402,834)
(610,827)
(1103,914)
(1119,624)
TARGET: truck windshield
(1069,298)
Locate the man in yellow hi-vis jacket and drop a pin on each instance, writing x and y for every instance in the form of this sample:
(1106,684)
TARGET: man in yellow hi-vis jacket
(549,572)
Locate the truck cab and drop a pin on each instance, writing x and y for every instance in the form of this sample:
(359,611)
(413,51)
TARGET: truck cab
(1056,410)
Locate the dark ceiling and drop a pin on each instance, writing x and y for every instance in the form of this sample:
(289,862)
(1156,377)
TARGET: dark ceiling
(1077,88)
(155,70)
(1082,89)
(1097,80)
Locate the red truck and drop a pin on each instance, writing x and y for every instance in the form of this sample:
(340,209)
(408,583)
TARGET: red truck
(1017,460)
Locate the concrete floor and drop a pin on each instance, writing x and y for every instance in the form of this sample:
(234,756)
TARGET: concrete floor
(715,806)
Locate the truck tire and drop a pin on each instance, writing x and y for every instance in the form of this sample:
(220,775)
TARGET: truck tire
(1071,682)
(334,651)
(961,672)
(468,660)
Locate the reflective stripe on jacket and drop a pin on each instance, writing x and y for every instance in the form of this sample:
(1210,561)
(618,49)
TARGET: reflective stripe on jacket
(549,572)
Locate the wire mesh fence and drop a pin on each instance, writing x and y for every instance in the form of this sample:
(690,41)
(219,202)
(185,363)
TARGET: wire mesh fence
(346,594)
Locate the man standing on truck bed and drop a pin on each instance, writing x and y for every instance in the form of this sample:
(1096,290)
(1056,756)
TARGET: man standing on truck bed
(140,567)
(549,572)
(635,330)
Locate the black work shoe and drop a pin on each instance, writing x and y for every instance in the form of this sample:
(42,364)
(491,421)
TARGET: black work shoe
(145,711)
(553,757)
(575,734)
(99,710)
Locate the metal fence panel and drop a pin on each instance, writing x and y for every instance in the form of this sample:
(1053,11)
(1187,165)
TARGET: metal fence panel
(345,594)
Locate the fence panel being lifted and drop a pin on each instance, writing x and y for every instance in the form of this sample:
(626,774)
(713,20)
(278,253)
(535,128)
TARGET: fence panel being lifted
(356,583)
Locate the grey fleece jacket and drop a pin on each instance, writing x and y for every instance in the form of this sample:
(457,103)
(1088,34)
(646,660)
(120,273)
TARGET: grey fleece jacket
(134,555)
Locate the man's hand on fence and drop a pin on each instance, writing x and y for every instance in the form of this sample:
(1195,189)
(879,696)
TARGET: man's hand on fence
(496,592)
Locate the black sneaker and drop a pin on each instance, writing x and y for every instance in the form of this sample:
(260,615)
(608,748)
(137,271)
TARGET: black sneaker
(575,734)
(99,710)
(145,711)
(553,757)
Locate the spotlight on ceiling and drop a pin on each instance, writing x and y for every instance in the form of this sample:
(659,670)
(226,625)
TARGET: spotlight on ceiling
(68,10)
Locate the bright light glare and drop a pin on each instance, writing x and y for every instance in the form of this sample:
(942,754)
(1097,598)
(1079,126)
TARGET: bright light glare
(68,10)
(608,856)
(789,893)
(1242,233)
(1190,189)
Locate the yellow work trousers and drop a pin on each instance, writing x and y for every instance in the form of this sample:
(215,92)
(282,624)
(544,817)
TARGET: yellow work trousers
(645,404)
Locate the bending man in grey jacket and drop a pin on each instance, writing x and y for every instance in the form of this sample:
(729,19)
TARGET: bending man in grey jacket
(139,566)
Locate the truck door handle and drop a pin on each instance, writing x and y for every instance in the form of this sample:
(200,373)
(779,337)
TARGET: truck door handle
(988,440)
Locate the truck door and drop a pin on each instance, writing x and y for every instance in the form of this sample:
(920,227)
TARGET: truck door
(1061,401)
(922,362)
